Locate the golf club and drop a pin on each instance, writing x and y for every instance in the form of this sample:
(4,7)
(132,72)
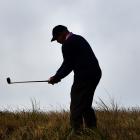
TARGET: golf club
(9,81)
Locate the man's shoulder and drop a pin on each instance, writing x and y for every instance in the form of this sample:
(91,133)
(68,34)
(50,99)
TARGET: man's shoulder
(70,43)
(74,38)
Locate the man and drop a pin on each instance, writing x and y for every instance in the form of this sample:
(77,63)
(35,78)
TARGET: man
(78,57)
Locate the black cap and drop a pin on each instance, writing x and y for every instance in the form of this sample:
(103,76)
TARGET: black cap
(57,30)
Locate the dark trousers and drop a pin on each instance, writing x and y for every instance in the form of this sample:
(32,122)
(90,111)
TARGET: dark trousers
(81,111)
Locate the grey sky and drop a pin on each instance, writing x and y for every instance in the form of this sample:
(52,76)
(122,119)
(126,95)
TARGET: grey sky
(26,53)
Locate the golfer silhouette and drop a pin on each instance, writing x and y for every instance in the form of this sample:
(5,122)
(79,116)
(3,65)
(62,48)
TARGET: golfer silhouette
(78,57)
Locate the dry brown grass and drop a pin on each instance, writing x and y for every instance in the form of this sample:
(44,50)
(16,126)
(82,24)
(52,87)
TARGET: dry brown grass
(113,124)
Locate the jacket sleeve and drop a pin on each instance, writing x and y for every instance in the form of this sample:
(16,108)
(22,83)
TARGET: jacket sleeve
(67,65)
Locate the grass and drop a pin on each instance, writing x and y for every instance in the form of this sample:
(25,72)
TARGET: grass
(113,124)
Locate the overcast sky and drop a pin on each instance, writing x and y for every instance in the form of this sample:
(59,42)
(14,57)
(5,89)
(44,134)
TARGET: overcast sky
(112,27)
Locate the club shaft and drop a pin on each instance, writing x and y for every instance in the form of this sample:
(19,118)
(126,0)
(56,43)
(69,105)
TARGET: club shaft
(27,82)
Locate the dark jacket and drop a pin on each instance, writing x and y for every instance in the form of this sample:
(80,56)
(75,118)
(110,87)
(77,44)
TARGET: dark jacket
(79,57)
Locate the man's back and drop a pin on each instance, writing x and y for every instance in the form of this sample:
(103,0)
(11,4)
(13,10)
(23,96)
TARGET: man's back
(80,58)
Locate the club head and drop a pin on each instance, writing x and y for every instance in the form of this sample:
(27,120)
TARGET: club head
(8,80)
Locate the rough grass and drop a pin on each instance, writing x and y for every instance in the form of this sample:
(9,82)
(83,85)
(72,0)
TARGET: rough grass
(113,124)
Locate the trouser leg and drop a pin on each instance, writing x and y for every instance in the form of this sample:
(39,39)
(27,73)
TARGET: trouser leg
(89,113)
(76,118)
(90,118)
(81,104)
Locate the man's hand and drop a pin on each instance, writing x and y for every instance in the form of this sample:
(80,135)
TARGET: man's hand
(53,80)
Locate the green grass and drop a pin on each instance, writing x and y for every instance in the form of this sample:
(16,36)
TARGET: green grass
(113,124)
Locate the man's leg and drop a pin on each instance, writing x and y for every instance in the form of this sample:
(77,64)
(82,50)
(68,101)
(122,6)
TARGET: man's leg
(89,113)
(81,102)
(76,118)
(90,118)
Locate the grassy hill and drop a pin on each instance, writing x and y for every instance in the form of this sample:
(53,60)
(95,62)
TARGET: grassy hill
(113,124)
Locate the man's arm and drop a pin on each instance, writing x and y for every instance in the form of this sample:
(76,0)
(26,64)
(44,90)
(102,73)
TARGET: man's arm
(65,68)
(62,72)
